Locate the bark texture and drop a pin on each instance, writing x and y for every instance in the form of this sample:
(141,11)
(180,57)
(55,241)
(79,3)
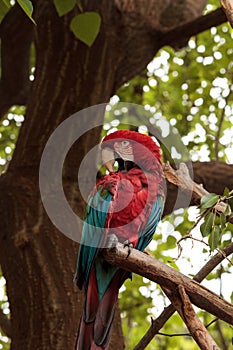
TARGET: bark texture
(214,176)
(170,279)
(38,261)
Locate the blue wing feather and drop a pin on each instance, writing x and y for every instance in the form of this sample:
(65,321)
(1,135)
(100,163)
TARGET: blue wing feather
(148,232)
(93,232)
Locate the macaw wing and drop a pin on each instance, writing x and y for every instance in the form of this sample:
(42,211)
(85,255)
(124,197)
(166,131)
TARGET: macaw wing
(92,234)
(147,233)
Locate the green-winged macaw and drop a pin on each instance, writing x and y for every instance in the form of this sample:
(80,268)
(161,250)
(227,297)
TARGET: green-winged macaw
(126,204)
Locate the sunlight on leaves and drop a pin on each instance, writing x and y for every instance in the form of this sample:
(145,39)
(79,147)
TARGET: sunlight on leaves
(209,200)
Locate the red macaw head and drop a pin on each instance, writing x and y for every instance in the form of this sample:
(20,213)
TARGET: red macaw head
(130,147)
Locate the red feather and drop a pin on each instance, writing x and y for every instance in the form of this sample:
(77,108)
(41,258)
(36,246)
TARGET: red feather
(133,195)
(131,203)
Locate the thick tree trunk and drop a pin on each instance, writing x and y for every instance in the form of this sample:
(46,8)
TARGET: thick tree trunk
(38,262)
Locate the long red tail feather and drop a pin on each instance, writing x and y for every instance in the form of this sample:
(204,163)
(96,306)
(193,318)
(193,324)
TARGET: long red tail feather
(96,322)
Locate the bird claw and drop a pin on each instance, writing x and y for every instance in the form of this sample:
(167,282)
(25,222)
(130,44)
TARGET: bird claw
(128,244)
(111,241)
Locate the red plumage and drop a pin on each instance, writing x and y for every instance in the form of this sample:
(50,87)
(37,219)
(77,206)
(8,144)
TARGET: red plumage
(136,205)
(131,203)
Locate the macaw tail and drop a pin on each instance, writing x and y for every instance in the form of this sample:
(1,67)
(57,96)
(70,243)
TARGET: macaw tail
(97,319)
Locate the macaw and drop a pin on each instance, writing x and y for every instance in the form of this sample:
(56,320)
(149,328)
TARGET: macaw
(127,204)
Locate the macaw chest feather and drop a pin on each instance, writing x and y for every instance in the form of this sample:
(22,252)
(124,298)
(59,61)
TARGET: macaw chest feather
(133,193)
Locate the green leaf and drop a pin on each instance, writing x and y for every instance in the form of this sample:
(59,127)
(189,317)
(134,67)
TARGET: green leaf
(86,27)
(227,211)
(171,242)
(4,8)
(64,6)
(214,238)
(6,3)
(209,200)
(223,220)
(230,202)
(27,6)
(207,226)
(226,192)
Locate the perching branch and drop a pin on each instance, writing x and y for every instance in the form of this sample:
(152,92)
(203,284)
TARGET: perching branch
(5,324)
(167,277)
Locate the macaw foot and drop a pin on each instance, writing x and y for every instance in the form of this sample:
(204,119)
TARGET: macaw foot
(128,244)
(111,241)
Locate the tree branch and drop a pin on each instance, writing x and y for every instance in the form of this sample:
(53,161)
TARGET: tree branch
(184,307)
(169,278)
(5,324)
(157,324)
(151,40)
(213,176)
(179,35)
(182,179)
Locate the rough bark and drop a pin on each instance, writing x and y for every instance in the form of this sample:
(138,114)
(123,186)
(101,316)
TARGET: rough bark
(170,279)
(195,326)
(16,33)
(214,176)
(228,9)
(37,260)
(157,324)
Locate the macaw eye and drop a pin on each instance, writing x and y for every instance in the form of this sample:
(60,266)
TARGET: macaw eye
(124,143)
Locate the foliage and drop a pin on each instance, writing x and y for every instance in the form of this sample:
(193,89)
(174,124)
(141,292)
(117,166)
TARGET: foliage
(9,129)
(85,26)
(4,341)
(4,8)
(215,224)
(63,7)
(27,7)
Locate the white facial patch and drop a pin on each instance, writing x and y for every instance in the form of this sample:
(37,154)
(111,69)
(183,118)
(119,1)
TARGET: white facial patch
(124,149)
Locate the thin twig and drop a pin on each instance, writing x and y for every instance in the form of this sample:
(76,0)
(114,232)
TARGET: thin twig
(175,335)
(211,322)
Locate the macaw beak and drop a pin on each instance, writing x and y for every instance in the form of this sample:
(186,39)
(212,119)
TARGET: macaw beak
(108,159)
